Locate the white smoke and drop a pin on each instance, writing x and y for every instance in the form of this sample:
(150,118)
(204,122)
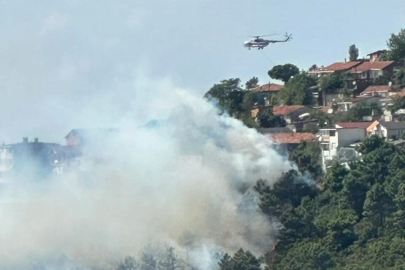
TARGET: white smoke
(188,175)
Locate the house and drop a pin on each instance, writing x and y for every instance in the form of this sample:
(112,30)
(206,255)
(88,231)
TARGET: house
(290,141)
(263,92)
(388,130)
(335,67)
(369,70)
(373,57)
(366,100)
(32,158)
(378,90)
(343,135)
(83,137)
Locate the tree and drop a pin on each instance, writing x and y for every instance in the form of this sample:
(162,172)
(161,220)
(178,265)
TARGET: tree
(399,77)
(335,176)
(381,80)
(378,205)
(297,91)
(244,261)
(370,144)
(360,110)
(353,53)
(253,82)
(171,261)
(307,156)
(396,45)
(267,119)
(228,95)
(129,263)
(283,72)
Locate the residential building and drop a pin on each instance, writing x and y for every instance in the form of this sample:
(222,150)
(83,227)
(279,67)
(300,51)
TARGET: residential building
(84,137)
(290,141)
(369,70)
(32,158)
(378,90)
(387,130)
(343,135)
(335,67)
(264,91)
(373,57)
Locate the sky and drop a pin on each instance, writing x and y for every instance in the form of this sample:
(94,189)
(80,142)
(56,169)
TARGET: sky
(80,63)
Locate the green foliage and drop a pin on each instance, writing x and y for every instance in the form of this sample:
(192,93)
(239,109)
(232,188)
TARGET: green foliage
(228,95)
(307,156)
(240,261)
(283,72)
(381,80)
(331,83)
(129,263)
(399,103)
(353,53)
(360,110)
(253,82)
(399,77)
(297,91)
(396,45)
(355,221)
(267,119)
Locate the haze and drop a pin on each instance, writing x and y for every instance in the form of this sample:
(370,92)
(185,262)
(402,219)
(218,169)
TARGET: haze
(62,59)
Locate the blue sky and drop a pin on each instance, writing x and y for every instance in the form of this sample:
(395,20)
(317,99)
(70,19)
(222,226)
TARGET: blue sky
(59,55)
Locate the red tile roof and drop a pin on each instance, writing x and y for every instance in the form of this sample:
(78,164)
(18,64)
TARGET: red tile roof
(285,110)
(379,65)
(269,87)
(338,66)
(292,138)
(372,126)
(363,125)
(357,99)
(376,88)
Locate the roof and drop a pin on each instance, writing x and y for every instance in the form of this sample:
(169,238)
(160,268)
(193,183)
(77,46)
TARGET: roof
(87,133)
(338,66)
(361,98)
(292,138)
(373,125)
(362,125)
(393,125)
(269,87)
(379,65)
(377,88)
(379,51)
(275,130)
(285,110)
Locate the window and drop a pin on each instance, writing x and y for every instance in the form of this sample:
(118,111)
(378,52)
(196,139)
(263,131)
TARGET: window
(332,133)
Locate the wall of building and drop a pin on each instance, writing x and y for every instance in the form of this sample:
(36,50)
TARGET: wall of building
(347,136)
(392,133)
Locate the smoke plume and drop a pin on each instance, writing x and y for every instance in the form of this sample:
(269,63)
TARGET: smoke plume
(184,181)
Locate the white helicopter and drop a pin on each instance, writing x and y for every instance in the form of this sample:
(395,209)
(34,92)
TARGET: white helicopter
(259,42)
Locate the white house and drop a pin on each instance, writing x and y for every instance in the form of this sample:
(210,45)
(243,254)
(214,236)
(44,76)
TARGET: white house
(388,130)
(342,135)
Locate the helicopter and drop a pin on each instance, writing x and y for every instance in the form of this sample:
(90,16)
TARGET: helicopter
(259,42)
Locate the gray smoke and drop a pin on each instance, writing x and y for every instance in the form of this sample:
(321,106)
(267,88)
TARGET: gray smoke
(185,182)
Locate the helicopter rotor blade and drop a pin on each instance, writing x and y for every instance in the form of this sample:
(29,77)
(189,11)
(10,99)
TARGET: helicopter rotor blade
(264,35)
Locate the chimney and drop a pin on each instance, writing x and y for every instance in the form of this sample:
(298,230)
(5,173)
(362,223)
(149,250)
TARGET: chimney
(345,60)
(36,140)
(25,140)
